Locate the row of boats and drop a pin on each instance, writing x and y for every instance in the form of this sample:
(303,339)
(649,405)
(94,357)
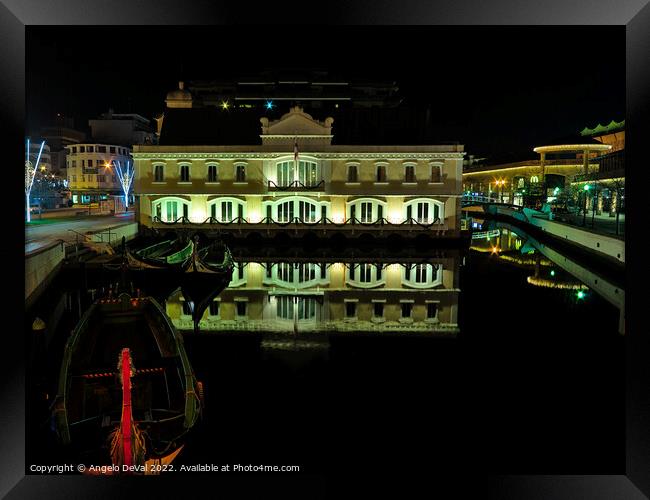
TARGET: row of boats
(127,393)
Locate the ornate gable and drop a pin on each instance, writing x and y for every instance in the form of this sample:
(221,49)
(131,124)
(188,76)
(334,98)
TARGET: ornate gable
(296,124)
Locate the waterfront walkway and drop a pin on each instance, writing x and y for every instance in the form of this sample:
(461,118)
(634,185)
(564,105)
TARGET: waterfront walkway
(40,233)
(602,224)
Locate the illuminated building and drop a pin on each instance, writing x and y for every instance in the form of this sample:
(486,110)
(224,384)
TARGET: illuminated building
(306,297)
(91,173)
(195,177)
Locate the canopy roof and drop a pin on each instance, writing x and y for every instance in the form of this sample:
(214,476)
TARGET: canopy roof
(603,129)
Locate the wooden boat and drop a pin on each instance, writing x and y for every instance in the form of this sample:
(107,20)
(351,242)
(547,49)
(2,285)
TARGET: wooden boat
(206,276)
(162,254)
(165,395)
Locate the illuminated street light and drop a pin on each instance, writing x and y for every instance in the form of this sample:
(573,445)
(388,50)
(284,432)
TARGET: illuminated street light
(580,295)
(269,104)
(225,105)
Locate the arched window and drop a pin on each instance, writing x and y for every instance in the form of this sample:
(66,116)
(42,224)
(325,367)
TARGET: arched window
(365,275)
(306,173)
(184,173)
(425,211)
(285,173)
(227,209)
(296,209)
(212,173)
(170,209)
(296,275)
(366,210)
(422,275)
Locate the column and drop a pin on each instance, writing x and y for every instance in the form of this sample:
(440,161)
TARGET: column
(599,207)
(542,165)
(585,162)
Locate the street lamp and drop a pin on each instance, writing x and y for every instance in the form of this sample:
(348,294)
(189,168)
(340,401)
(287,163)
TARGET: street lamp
(584,204)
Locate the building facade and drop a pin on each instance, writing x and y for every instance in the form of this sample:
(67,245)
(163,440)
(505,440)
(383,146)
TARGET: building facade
(295,178)
(91,171)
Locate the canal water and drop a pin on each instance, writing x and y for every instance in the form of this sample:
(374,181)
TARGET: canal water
(517,368)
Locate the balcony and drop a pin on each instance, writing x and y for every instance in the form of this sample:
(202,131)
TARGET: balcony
(324,226)
(296,186)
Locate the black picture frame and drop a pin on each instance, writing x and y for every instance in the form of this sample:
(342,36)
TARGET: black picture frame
(634,14)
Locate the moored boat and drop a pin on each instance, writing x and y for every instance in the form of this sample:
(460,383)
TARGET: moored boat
(164,393)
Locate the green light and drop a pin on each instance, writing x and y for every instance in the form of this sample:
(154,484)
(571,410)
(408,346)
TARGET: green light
(587,187)
(552,273)
(556,190)
(580,295)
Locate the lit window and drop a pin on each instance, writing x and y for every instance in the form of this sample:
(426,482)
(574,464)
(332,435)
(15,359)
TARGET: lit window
(284,307)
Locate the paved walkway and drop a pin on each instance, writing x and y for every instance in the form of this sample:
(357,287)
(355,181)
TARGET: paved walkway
(602,224)
(41,233)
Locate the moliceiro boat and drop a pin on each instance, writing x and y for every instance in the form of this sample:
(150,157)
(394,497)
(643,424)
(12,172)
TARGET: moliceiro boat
(135,413)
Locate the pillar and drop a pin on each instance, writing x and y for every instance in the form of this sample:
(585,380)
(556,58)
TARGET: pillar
(599,207)
(542,165)
(585,162)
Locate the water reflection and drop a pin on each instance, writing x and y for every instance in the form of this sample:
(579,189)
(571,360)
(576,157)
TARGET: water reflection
(551,267)
(311,300)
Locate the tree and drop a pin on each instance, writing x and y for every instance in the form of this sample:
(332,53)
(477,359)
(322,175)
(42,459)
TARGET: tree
(126,178)
(31,170)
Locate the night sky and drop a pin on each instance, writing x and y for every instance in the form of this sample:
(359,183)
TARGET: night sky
(494,89)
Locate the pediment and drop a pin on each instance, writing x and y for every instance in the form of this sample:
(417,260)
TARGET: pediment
(296,123)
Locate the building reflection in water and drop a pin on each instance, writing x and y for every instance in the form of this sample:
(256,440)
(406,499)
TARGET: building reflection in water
(297,304)
(551,267)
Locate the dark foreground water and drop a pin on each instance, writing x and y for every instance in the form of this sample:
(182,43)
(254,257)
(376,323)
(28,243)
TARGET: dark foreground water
(532,382)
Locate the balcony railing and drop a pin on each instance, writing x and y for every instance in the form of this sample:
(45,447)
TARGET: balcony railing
(297,186)
(322,223)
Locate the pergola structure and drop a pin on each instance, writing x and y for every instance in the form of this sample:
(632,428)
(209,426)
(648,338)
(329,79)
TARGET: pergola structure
(568,148)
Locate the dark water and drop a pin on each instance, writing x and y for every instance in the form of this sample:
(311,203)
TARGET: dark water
(532,382)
